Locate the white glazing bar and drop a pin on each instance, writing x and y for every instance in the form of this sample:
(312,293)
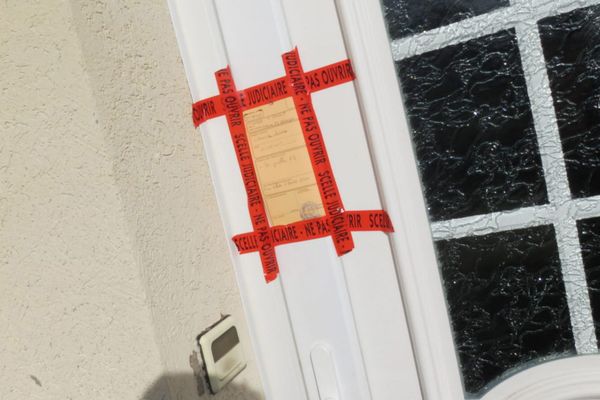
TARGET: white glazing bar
(527,217)
(557,184)
(484,224)
(576,288)
(588,207)
(481,25)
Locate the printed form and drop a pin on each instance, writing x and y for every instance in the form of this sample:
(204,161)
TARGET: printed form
(282,163)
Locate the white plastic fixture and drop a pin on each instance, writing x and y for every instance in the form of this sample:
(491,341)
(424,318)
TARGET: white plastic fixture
(222,353)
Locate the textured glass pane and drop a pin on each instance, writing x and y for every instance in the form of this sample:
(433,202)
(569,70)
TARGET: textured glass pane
(571,45)
(406,17)
(472,128)
(589,235)
(506,300)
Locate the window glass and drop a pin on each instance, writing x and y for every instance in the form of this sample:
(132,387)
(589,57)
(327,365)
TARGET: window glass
(406,17)
(472,127)
(506,300)
(503,106)
(571,45)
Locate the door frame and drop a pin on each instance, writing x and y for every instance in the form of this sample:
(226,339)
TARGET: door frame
(391,149)
(383,111)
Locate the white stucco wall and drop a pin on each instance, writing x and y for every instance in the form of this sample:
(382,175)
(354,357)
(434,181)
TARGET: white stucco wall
(112,256)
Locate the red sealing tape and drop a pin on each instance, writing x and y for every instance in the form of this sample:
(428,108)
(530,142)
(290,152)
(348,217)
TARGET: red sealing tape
(337,222)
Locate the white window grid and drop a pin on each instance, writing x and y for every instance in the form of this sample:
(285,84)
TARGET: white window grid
(562,211)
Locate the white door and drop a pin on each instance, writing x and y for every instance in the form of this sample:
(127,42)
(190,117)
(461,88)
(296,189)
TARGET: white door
(474,123)
(328,327)
(488,152)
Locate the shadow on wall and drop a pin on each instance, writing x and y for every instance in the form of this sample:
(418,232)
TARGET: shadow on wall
(177,387)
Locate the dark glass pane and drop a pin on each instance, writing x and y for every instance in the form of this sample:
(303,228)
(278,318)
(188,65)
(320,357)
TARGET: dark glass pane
(224,343)
(589,235)
(571,45)
(472,128)
(506,301)
(407,17)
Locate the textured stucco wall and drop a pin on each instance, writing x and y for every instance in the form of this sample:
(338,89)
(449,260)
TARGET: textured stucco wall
(73,317)
(112,256)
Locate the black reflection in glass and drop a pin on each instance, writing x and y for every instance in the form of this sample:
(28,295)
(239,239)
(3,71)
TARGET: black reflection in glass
(472,128)
(506,301)
(589,236)
(407,17)
(571,44)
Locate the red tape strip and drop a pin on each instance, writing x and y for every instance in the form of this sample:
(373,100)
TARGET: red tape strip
(337,223)
(369,221)
(206,109)
(330,75)
(265,93)
(330,195)
(277,89)
(258,215)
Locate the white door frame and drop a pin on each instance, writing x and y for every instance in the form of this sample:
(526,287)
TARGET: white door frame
(392,150)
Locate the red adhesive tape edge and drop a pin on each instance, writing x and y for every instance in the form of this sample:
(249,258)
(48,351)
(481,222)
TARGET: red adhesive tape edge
(233,113)
(357,221)
(330,195)
(337,223)
(206,109)
(277,89)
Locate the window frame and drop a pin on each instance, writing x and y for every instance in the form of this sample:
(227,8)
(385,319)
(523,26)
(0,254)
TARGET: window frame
(392,150)
(395,164)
